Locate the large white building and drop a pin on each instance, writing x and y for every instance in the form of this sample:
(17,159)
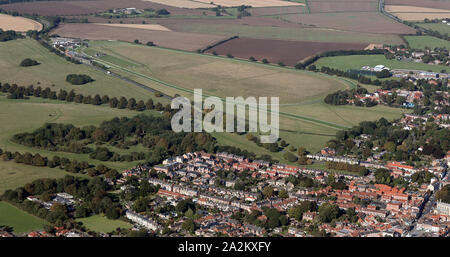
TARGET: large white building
(443,208)
(143,221)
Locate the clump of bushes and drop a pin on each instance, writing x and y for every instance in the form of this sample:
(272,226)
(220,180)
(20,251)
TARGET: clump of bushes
(29,62)
(78,79)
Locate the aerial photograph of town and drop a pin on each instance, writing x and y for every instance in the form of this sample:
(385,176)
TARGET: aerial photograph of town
(224,119)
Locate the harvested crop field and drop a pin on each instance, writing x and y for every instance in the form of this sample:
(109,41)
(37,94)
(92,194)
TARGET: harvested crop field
(413,9)
(136,26)
(421,16)
(64,8)
(414,13)
(368,22)
(275,51)
(440,4)
(183,3)
(169,39)
(344,6)
(19,24)
(253,3)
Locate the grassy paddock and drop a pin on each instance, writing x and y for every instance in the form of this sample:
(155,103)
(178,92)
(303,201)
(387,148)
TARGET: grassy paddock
(53,70)
(14,175)
(420,42)
(99,223)
(20,221)
(439,27)
(358,61)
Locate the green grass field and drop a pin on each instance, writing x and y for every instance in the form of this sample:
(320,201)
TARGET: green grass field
(183,70)
(439,27)
(20,221)
(14,175)
(305,120)
(358,61)
(420,42)
(303,34)
(54,69)
(99,223)
(27,115)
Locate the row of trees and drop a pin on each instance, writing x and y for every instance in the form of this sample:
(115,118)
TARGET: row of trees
(63,163)
(347,167)
(21,92)
(104,154)
(8,35)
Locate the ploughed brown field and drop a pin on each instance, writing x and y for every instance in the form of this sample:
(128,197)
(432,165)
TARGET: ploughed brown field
(169,39)
(275,51)
(90,7)
(439,4)
(367,22)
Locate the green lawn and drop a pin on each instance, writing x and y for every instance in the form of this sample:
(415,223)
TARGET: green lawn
(53,70)
(358,61)
(439,27)
(99,223)
(420,42)
(20,221)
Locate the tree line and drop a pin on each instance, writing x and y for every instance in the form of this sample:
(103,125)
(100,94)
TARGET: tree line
(9,35)
(72,166)
(347,167)
(22,92)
